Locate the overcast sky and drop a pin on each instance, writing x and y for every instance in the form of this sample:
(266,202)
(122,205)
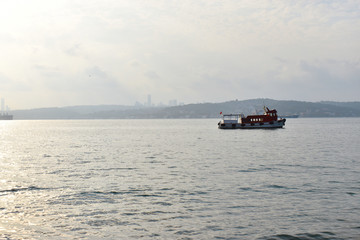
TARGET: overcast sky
(75,52)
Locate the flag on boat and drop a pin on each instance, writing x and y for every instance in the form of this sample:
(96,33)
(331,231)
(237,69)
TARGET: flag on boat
(220,113)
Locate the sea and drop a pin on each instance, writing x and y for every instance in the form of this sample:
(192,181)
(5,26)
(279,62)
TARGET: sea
(179,179)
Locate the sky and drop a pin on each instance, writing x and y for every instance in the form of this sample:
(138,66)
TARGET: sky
(76,52)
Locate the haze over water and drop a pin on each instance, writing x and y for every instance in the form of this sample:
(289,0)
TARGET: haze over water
(179,179)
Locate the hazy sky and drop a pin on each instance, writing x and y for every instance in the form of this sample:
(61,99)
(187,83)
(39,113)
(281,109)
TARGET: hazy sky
(60,53)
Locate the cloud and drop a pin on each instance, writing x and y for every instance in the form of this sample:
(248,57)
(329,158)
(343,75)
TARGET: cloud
(73,50)
(152,75)
(190,50)
(4,80)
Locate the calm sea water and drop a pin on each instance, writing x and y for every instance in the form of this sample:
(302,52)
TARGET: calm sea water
(179,179)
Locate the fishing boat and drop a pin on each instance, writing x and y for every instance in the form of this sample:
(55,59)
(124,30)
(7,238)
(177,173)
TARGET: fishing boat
(238,121)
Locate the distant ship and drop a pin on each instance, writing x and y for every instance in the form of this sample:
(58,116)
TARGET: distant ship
(6,117)
(238,121)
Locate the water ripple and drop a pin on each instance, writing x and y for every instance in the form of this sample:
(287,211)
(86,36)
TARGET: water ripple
(179,179)
(304,236)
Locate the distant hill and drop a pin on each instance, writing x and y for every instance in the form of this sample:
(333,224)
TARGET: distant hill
(202,110)
(302,109)
(353,105)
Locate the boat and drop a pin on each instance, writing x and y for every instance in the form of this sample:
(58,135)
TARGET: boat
(238,121)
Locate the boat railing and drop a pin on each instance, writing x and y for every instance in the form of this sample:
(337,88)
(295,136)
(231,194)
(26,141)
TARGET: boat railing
(231,118)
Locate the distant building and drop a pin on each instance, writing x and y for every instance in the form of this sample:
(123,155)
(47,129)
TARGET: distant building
(4,115)
(160,104)
(173,102)
(2,106)
(137,104)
